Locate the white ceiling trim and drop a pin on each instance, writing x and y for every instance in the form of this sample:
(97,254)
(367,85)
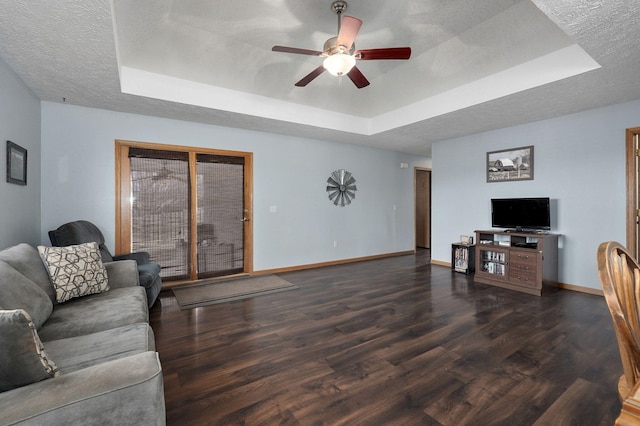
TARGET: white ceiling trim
(563,63)
(158,86)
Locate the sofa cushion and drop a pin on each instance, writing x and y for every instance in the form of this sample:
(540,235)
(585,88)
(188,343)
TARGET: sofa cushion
(126,391)
(80,352)
(123,273)
(22,357)
(75,271)
(26,260)
(18,292)
(98,312)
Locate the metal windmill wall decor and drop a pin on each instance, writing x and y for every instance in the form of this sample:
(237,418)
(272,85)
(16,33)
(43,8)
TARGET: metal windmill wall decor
(341,187)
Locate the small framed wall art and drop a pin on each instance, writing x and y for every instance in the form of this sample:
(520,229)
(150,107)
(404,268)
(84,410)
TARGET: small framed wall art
(510,164)
(16,164)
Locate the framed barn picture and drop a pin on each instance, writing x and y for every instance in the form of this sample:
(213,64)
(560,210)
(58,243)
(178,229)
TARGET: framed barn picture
(510,164)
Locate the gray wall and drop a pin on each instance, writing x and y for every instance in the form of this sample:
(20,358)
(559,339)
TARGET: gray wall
(289,173)
(19,123)
(579,162)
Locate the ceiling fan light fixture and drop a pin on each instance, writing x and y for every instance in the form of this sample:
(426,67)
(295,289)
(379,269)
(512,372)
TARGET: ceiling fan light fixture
(340,52)
(339,63)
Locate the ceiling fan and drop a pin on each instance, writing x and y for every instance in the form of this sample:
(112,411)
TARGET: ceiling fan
(340,52)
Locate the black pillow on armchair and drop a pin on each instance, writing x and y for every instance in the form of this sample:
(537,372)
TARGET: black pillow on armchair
(82,231)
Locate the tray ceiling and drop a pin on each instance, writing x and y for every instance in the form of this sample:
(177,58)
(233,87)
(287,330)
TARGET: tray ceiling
(475,66)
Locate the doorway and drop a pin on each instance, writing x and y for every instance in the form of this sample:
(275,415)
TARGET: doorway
(423,207)
(633,189)
(189,208)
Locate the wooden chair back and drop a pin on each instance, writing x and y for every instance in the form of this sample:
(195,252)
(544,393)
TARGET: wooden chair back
(620,278)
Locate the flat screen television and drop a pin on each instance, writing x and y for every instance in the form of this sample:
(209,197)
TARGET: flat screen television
(521,214)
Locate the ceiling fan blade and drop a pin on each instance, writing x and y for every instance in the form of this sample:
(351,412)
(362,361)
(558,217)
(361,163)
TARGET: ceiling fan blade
(348,31)
(286,49)
(385,53)
(309,77)
(358,78)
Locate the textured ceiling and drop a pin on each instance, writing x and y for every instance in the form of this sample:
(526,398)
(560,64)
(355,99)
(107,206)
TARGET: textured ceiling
(475,66)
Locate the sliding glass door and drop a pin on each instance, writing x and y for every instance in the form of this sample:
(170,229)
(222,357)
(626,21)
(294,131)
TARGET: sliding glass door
(160,208)
(220,214)
(189,208)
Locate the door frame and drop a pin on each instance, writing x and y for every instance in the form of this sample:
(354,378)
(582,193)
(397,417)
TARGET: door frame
(123,196)
(632,178)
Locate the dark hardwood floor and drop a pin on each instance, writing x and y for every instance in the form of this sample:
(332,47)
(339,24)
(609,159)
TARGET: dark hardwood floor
(390,341)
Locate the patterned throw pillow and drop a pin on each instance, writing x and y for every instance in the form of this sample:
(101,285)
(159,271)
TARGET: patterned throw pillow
(22,356)
(75,271)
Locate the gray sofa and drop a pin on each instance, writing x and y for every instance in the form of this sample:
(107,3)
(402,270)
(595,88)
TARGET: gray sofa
(108,371)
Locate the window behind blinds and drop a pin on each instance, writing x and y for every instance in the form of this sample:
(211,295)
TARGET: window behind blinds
(220,195)
(161,202)
(160,208)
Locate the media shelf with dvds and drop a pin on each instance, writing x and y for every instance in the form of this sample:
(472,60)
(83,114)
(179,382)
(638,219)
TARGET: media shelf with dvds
(463,258)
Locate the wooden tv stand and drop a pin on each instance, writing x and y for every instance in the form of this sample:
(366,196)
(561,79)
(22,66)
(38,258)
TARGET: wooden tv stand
(522,261)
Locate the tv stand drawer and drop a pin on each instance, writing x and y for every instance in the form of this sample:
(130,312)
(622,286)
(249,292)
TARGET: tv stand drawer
(524,279)
(521,257)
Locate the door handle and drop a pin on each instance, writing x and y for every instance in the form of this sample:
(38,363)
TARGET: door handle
(245,219)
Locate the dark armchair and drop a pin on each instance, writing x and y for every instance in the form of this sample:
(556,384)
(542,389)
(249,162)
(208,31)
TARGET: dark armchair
(82,231)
